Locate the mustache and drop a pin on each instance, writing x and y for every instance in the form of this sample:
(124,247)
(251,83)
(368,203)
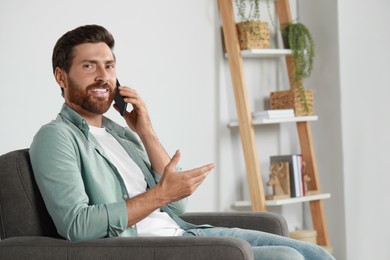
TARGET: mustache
(99,85)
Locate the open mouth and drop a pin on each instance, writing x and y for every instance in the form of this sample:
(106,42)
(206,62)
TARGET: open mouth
(100,92)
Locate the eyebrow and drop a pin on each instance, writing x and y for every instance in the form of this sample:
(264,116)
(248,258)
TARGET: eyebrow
(95,61)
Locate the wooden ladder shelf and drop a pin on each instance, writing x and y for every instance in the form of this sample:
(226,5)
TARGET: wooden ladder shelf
(246,128)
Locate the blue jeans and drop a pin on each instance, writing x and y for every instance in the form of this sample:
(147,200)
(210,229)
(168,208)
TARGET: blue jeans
(265,245)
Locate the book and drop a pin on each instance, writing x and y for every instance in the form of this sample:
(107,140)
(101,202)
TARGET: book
(295,169)
(299,179)
(276,113)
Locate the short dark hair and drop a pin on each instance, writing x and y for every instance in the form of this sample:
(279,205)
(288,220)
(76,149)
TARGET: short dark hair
(63,50)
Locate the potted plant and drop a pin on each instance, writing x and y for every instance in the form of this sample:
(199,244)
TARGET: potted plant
(298,38)
(252,33)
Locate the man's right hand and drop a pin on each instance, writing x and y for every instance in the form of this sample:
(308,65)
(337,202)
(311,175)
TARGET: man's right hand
(175,185)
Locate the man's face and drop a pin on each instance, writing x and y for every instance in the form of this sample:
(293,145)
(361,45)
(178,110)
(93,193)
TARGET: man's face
(90,83)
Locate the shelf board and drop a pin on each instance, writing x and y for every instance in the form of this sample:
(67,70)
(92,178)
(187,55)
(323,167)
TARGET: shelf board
(277,120)
(264,53)
(245,204)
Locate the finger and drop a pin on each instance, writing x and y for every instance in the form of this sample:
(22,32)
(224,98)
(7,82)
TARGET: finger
(131,97)
(208,167)
(175,159)
(197,180)
(133,101)
(199,173)
(204,168)
(128,92)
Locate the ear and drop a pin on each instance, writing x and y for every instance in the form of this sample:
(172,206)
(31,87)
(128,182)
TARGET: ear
(60,77)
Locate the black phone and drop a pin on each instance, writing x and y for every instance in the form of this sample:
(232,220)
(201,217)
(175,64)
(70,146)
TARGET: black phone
(119,100)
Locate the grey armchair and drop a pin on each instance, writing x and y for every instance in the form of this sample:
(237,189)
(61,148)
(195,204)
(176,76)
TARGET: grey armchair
(27,231)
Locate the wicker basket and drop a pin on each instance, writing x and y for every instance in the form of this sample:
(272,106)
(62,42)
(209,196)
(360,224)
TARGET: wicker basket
(291,99)
(253,35)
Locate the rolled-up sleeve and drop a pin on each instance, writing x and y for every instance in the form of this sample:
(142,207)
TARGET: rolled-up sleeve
(56,165)
(116,225)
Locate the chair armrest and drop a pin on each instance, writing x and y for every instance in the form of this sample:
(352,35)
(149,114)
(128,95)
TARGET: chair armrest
(145,248)
(262,221)
(152,248)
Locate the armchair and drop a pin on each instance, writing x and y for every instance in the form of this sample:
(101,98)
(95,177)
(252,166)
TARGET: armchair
(27,231)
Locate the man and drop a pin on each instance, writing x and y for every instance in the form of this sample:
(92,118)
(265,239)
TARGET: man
(99,179)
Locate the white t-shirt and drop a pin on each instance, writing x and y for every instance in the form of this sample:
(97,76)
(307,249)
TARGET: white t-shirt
(158,223)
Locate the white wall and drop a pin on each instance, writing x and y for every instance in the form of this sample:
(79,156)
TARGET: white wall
(364,70)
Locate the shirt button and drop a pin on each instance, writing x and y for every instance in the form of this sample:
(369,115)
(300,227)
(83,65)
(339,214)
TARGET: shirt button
(125,196)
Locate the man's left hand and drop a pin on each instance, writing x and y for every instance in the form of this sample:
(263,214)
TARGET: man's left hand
(138,119)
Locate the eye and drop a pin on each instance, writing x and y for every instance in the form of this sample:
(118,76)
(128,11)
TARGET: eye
(89,66)
(110,66)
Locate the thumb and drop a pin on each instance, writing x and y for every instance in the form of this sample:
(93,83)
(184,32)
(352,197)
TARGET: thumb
(175,159)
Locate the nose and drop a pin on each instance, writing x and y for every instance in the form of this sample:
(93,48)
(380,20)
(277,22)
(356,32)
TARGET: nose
(102,76)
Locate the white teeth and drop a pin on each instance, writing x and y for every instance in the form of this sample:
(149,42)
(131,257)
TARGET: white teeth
(99,90)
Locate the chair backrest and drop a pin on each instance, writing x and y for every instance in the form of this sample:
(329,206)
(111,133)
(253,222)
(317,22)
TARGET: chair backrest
(22,210)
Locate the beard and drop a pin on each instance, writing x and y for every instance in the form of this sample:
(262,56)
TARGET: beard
(83,98)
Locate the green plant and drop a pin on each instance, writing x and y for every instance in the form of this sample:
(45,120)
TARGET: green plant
(298,38)
(245,15)
(253,14)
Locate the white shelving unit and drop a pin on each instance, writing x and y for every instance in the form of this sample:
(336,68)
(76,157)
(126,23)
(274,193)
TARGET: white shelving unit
(235,56)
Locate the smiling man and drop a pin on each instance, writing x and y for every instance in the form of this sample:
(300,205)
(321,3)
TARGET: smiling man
(99,179)
(88,83)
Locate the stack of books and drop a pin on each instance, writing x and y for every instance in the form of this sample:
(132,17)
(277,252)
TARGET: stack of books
(277,113)
(296,169)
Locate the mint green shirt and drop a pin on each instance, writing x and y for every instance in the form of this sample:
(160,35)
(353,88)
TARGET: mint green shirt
(83,191)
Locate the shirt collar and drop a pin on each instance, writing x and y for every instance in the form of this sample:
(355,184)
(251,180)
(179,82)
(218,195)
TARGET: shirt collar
(74,118)
(113,127)
(82,124)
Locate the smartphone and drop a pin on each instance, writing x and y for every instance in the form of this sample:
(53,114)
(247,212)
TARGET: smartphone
(119,100)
